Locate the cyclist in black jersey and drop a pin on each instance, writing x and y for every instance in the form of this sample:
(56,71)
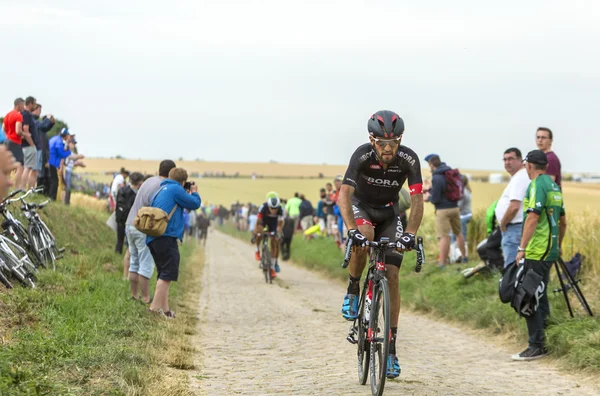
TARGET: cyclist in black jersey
(270,215)
(368,203)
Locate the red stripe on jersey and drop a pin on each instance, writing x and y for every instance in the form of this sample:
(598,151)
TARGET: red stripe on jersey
(360,222)
(259,216)
(416,189)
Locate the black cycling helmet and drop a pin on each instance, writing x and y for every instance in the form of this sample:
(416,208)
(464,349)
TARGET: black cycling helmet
(385,124)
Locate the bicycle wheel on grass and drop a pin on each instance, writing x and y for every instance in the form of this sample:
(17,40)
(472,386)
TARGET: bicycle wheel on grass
(3,279)
(380,344)
(37,245)
(363,351)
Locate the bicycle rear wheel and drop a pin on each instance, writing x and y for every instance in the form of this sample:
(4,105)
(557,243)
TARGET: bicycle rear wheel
(380,344)
(362,324)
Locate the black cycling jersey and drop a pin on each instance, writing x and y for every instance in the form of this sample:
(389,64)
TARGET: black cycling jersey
(378,187)
(269,220)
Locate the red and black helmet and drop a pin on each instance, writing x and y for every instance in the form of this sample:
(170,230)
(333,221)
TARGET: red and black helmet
(385,124)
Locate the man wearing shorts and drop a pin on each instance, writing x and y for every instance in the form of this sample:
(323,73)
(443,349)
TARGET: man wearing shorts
(28,144)
(447,213)
(141,263)
(13,127)
(368,202)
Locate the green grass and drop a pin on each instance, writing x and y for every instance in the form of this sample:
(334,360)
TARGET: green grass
(79,333)
(475,302)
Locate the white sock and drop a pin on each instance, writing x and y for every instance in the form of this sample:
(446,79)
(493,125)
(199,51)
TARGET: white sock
(257,249)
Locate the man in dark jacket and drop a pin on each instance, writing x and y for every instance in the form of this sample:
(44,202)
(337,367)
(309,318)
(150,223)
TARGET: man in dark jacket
(286,240)
(447,214)
(125,199)
(43,126)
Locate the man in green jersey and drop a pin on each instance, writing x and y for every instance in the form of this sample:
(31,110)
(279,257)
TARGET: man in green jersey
(544,227)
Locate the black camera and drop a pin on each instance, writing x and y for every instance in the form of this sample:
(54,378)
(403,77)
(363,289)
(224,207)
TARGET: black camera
(188,185)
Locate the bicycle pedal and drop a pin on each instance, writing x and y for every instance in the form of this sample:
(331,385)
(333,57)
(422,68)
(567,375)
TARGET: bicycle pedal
(61,250)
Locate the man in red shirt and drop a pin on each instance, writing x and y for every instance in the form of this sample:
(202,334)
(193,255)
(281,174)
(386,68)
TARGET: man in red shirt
(543,139)
(13,126)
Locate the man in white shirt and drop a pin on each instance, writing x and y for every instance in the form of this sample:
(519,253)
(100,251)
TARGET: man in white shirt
(118,182)
(509,211)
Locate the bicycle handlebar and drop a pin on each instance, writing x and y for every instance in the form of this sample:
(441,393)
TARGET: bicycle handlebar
(388,245)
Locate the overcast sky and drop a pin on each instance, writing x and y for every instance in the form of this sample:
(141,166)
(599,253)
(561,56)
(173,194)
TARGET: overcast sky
(295,81)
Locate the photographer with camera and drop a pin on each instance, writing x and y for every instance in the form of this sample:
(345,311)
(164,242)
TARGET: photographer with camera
(175,195)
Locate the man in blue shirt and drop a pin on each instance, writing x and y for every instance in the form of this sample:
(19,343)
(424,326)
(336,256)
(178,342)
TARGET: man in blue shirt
(171,197)
(58,153)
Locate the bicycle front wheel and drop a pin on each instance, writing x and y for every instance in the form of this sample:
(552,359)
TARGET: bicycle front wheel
(362,323)
(267,265)
(381,333)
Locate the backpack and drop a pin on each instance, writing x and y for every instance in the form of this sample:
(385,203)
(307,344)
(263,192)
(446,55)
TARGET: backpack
(124,203)
(152,221)
(454,186)
(522,288)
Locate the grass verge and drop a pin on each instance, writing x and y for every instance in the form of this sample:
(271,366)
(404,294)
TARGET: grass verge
(475,302)
(79,333)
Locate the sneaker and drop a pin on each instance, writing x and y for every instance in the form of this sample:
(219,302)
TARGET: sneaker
(273,274)
(277,269)
(530,354)
(393,367)
(350,307)
(257,256)
(465,260)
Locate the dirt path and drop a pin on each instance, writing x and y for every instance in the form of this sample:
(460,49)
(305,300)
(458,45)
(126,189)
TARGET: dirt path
(289,338)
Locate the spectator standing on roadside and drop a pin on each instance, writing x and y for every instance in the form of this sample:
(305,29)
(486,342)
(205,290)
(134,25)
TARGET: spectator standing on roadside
(141,263)
(287,232)
(292,208)
(165,249)
(447,214)
(125,199)
(202,223)
(464,205)
(28,144)
(330,219)
(70,164)
(58,153)
(118,181)
(306,213)
(13,127)
(509,210)
(544,228)
(543,140)
(42,126)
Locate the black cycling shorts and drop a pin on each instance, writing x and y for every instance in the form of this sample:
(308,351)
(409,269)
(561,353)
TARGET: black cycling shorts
(387,223)
(270,224)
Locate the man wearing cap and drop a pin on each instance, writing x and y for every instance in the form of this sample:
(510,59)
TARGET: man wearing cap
(447,213)
(544,228)
(509,210)
(59,151)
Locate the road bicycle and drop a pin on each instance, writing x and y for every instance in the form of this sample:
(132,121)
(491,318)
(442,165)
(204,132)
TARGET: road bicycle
(373,323)
(42,241)
(265,255)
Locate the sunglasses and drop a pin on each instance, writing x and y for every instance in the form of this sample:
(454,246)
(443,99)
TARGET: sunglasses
(385,142)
